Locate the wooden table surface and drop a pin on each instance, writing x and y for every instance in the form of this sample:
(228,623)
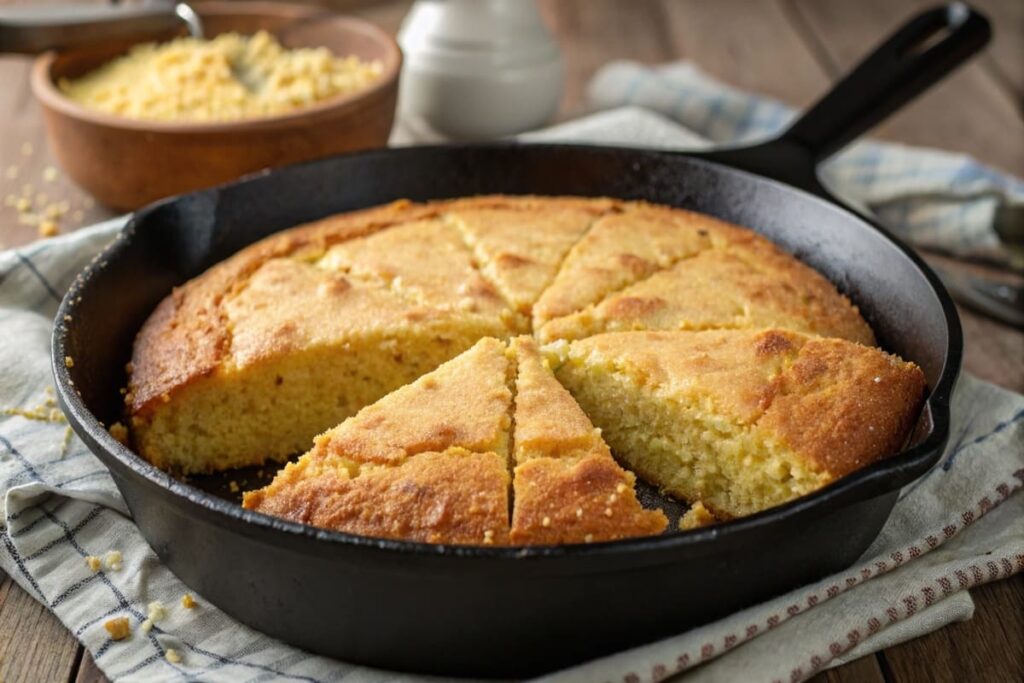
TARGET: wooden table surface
(789,49)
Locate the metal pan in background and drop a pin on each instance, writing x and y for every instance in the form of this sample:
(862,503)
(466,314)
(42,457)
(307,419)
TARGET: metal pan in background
(518,611)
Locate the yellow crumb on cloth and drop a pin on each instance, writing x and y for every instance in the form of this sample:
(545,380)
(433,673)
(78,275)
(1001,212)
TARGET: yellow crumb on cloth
(118,628)
(227,78)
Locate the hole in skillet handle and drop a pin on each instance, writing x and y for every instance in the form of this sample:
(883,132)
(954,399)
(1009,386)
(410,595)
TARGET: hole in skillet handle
(956,14)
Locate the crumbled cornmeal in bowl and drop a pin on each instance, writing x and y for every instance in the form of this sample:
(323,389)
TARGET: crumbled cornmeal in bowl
(229,77)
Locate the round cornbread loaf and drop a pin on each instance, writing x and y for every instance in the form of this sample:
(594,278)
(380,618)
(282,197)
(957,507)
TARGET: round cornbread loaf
(295,334)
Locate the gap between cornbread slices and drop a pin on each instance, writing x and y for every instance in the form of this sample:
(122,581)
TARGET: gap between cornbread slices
(625,247)
(428,462)
(748,284)
(741,420)
(567,487)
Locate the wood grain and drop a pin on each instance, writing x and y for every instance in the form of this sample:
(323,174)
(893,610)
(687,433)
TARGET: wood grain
(989,647)
(34,645)
(788,49)
(989,127)
(761,44)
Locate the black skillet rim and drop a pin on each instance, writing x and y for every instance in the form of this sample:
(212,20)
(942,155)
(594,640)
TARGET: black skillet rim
(860,485)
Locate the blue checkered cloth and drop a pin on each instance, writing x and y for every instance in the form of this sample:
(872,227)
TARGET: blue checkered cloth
(933,199)
(956,528)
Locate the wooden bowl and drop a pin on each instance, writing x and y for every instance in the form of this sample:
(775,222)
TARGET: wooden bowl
(126,163)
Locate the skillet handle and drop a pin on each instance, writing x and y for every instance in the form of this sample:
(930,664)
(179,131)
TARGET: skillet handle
(918,55)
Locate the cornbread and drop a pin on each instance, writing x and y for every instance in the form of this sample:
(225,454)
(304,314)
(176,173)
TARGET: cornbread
(741,420)
(229,77)
(567,486)
(428,462)
(749,285)
(716,367)
(624,247)
(251,360)
(118,628)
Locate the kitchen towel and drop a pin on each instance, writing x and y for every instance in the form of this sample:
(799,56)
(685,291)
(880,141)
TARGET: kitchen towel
(933,199)
(956,528)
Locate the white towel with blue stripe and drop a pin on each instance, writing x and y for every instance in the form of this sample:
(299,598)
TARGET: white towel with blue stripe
(956,528)
(933,199)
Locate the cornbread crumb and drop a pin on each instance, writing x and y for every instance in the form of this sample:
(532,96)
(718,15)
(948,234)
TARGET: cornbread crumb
(48,228)
(23,204)
(118,628)
(147,626)
(49,174)
(546,522)
(489,536)
(119,432)
(696,517)
(589,538)
(172,656)
(113,560)
(69,362)
(187,601)
(233,486)
(156,611)
(94,563)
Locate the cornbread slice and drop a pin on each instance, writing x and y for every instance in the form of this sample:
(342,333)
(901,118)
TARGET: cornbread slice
(428,462)
(273,346)
(425,262)
(308,348)
(623,248)
(747,285)
(741,420)
(520,249)
(568,489)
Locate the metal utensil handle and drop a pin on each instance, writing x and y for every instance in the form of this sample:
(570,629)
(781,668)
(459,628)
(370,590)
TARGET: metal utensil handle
(918,55)
(35,29)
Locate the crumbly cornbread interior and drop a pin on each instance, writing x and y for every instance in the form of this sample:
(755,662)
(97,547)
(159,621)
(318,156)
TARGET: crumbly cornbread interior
(741,420)
(295,334)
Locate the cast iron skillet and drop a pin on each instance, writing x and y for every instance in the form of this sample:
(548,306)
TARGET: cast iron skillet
(487,611)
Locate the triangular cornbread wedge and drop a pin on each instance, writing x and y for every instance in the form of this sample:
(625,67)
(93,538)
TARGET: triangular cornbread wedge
(741,420)
(750,285)
(623,248)
(428,462)
(520,249)
(568,489)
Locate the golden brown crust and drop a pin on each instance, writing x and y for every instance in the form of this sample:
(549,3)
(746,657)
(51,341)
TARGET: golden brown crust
(746,284)
(843,406)
(456,497)
(466,403)
(578,500)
